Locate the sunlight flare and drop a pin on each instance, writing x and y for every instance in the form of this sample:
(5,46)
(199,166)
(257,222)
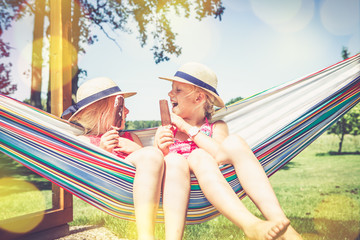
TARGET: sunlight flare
(285,16)
(341,210)
(18,198)
(340,17)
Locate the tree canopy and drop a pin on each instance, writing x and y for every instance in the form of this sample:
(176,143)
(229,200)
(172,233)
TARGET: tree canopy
(150,18)
(350,122)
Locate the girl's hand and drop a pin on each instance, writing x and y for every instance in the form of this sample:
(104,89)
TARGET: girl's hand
(109,140)
(178,122)
(126,146)
(164,137)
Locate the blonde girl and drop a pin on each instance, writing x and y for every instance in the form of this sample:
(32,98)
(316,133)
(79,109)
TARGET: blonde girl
(94,111)
(201,146)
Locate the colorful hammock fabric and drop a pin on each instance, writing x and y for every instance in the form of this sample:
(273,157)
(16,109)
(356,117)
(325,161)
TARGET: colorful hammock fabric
(277,123)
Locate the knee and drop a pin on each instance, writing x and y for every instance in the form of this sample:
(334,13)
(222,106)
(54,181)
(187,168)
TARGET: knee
(150,157)
(235,144)
(198,158)
(176,162)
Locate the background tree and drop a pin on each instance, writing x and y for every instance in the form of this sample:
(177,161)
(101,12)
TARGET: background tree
(132,125)
(350,122)
(37,57)
(8,14)
(151,18)
(6,87)
(233,100)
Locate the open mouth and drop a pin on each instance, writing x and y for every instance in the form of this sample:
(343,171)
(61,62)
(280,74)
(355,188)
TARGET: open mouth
(174,104)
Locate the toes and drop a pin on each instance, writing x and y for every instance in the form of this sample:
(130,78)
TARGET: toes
(278,229)
(273,232)
(286,223)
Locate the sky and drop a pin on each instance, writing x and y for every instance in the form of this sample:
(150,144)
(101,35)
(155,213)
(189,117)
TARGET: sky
(258,44)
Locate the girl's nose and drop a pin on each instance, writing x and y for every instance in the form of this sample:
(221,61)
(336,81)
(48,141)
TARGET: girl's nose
(170,94)
(126,111)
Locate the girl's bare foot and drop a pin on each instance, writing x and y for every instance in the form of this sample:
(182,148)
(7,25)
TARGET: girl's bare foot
(291,234)
(267,230)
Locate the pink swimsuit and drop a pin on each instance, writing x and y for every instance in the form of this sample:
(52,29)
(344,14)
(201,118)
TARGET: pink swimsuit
(96,141)
(186,147)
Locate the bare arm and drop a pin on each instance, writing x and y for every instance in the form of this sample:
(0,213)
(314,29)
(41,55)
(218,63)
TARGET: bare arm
(209,144)
(127,146)
(212,144)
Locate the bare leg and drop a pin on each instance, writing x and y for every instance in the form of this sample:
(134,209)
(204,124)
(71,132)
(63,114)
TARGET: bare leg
(149,166)
(254,180)
(221,195)
(176,190)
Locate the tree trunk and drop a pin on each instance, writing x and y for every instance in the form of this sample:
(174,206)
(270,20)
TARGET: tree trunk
(75,38)
(67,52)
(341,142)
(37,59)
(342,132)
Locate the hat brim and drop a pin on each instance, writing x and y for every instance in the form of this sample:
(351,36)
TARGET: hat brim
(125,94)
(218,101)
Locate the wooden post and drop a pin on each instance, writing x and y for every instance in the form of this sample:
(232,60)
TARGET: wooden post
(68,52)
(54,223)
(37,58)
(56,58)
(60,80)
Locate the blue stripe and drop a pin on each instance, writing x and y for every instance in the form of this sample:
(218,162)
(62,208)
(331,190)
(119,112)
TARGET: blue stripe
(90,99)
(195,81)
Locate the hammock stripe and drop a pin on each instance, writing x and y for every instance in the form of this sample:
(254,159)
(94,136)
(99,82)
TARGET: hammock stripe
(278,124)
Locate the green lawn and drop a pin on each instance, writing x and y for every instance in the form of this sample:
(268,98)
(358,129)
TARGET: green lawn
(318,191)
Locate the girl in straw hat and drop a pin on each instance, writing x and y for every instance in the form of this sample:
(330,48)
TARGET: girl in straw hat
(94,111)
(194,144)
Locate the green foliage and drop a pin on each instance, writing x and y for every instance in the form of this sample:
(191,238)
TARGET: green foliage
(345,53)
(10,11)
(43,103)
(150,18)
(233,100)
(134,125)
(348,124)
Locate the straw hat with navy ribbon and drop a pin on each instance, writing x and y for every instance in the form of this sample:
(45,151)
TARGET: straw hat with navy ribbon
(199,75)
(92,91)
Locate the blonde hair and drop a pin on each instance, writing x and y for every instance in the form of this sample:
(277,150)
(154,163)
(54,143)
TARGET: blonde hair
(97,117)
(209,102)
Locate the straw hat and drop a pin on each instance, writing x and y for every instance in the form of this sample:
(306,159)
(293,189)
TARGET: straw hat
(92,91)
(198,75)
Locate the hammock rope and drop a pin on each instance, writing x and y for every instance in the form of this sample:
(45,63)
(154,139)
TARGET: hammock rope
(277,123)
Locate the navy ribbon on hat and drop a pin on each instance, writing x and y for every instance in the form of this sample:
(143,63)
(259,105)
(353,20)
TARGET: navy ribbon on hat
(195,81)
(90,99)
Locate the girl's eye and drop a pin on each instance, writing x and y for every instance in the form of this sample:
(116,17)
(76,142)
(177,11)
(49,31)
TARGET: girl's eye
(178,90)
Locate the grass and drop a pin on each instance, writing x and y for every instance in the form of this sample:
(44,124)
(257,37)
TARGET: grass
(318,191)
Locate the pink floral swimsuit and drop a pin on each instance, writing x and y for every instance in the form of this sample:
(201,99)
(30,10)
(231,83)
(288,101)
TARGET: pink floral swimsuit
(186,147)
(96,141)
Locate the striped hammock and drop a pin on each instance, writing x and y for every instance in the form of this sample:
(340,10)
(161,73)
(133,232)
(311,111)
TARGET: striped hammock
(277,123)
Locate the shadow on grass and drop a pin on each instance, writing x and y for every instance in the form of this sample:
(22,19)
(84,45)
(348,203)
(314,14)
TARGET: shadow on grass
(289,165)
(11,168)
(332,153)
(309,228)
(326,229)
(344,153)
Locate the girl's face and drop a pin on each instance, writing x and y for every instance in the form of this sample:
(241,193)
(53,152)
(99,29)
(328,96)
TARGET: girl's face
(182,97)
(125,113)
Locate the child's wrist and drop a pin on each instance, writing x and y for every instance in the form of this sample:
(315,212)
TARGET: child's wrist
(192,132)
(186,128)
